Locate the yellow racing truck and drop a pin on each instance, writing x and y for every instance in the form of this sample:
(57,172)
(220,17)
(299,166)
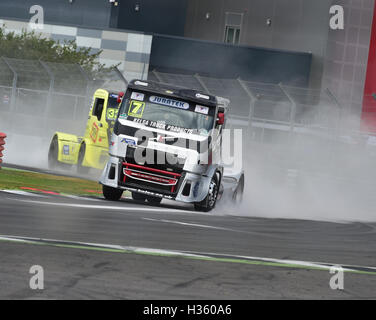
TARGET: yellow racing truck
(91,150)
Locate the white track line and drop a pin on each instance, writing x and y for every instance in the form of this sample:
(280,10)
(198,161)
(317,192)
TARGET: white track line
(32,194)
(90,206)
(79,198)
(107,246)
(326,265)
(193,225)
(321,265)
(25,193)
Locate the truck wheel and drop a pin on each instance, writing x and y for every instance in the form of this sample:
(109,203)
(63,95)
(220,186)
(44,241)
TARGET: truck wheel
(154,200)
(112,194)
(211,198)
(81,155)
(53,154)
(138,196)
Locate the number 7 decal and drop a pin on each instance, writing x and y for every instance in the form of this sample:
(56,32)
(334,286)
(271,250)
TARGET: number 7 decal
(136,109)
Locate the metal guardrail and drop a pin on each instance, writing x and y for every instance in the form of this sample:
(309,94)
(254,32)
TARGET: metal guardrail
(271,106)
(63,91)
(35,90)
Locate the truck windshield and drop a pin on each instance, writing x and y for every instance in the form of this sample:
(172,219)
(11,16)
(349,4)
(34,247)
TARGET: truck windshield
(168,113)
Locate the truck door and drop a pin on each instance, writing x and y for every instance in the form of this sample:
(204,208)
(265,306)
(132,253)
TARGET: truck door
(96,129)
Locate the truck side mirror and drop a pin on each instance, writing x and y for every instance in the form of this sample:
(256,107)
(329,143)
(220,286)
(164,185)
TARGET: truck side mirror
(221,118)
(120,97)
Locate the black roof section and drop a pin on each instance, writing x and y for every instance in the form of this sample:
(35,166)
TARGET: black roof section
(177,92)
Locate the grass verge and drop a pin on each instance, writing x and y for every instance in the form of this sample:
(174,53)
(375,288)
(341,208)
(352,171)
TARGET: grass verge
(32,181)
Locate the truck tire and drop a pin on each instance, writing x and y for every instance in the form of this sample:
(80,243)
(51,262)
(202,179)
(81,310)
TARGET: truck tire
(81,155)
(138,196)
(154,200)
(211,198)
(112,194)
(53,154)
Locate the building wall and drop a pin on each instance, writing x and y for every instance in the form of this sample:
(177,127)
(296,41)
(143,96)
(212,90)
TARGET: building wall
(86,13)
(369,96)
(347,55)
(298,25)
(220,60)
(131,50)
(162,16)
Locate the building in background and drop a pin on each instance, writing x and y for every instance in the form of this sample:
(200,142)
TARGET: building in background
(347,63)
(157,16)
(298,25)
(342,60)
(151,16)
(84,13)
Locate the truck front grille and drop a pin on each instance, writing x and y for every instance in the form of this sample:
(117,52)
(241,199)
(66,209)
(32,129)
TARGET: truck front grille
(150,179)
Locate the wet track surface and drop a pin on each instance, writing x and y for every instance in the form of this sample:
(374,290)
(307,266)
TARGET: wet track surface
(72,271)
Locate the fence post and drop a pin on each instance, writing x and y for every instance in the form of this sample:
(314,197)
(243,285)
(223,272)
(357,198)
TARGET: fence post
(50,91)
(88,93)
(339,106)
(121,76)
(338,130)
(2,142)
(201,83)
(293,109)
(252,102)
(14,84)
(157,75)
(251,97)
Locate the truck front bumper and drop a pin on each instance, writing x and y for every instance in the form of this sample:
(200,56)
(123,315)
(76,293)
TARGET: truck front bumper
(189,187)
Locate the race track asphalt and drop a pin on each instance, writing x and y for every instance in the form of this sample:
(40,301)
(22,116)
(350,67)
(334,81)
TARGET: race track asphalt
(91,248)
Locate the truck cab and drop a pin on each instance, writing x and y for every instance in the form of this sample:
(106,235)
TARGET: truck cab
(91,149)
(166,143)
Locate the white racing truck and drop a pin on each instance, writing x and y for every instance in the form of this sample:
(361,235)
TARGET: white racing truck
(167,143)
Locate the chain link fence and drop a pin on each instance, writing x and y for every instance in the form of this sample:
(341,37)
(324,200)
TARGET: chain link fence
(37,97)
(290,128)
(262,104)
(281,124)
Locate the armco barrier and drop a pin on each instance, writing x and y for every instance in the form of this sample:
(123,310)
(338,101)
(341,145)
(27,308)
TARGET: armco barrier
(2,142)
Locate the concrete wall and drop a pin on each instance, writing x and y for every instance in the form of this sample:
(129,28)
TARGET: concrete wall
(86,13)
(299,25)
(161,16)
(131,50)
(213,59)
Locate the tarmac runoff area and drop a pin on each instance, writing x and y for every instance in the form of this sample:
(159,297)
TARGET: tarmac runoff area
(90,248)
